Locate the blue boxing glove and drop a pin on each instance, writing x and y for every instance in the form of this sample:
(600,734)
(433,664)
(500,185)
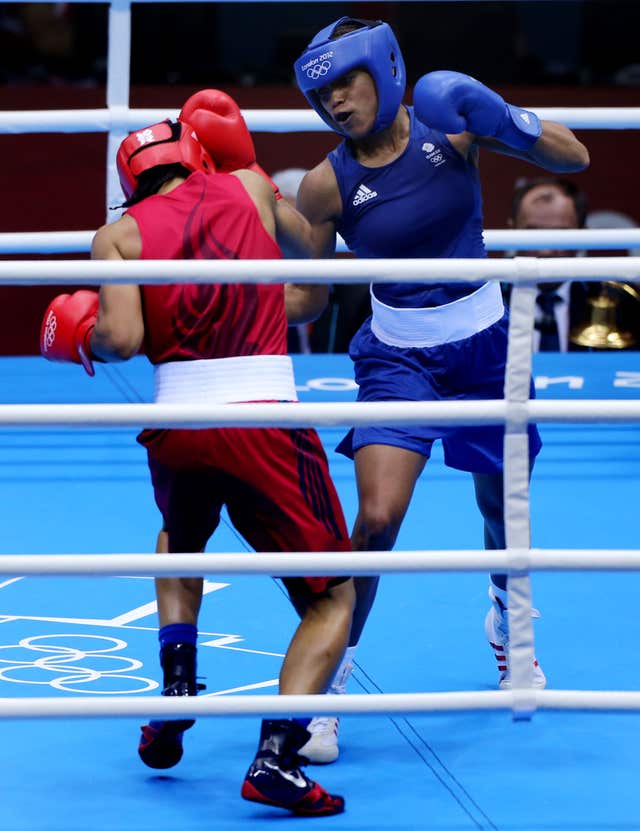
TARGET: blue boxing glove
(454,103)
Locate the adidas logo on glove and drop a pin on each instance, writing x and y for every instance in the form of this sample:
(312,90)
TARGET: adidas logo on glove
(363,195)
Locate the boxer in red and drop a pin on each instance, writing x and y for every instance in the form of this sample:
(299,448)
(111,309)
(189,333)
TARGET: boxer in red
(218,344)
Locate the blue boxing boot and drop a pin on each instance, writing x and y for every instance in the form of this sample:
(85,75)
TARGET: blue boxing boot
(161,741)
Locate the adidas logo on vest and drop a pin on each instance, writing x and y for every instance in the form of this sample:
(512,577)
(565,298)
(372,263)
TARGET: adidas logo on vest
(363,195)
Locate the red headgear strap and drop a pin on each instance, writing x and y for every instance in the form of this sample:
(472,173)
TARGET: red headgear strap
(164,143)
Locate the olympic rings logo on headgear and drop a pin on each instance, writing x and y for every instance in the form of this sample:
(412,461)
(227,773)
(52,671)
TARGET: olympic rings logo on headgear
(317,70)
(50,330)
(372,46)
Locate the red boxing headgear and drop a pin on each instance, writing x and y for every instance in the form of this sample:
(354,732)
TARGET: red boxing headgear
(169,142)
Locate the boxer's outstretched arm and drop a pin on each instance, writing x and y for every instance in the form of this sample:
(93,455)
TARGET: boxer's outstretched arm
(557,150)
(293,231)
(319,202)
(460,104)
(304,302)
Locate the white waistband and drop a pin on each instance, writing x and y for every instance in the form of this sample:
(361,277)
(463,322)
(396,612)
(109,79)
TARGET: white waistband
(423,327)
(225,380)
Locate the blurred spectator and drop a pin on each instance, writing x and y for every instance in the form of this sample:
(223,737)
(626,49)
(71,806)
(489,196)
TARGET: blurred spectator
(36,40)
(572,315)
(574,41)
(612,219)
(550,52)
(52,42)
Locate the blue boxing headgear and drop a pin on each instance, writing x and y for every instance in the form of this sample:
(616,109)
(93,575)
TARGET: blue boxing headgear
(373,47)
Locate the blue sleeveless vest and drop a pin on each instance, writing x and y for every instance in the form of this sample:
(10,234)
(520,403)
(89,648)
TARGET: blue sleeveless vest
(426,203)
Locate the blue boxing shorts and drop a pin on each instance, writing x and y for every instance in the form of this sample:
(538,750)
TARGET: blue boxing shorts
(469,369)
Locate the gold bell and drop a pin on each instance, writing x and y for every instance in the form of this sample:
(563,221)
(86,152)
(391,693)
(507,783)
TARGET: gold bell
(601,331)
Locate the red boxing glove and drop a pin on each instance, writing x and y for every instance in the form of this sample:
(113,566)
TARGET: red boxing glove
(67,327)
(223,132)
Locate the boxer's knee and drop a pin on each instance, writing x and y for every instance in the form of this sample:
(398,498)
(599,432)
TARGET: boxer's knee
(376,527)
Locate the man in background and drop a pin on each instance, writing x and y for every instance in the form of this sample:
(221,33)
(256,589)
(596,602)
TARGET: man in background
(565,309)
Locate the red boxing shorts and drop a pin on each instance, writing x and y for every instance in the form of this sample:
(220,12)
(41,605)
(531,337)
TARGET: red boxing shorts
(275,484)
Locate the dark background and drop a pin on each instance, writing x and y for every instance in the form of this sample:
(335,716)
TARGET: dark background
(537,54)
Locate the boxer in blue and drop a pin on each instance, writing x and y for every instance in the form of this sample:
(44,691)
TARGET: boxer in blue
(404,183)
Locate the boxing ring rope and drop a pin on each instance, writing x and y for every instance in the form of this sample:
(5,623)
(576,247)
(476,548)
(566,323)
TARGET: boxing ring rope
(382,413)
(306,563)
(610,239)
(521,702)
(516,270)
(515,411)
(120,117)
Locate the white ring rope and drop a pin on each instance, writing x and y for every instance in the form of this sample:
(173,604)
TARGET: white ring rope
(338,414)
(121,118)
(306,563)
(62,242)
(522,701)
(516,270)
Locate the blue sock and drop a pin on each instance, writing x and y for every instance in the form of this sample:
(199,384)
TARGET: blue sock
(178,633)
(304,722)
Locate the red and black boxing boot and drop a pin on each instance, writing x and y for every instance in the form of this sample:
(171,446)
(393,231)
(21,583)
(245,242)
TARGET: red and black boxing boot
(275,777)
(161,741)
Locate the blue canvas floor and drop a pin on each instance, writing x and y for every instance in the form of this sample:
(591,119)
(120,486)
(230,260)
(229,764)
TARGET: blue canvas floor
(88,491)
